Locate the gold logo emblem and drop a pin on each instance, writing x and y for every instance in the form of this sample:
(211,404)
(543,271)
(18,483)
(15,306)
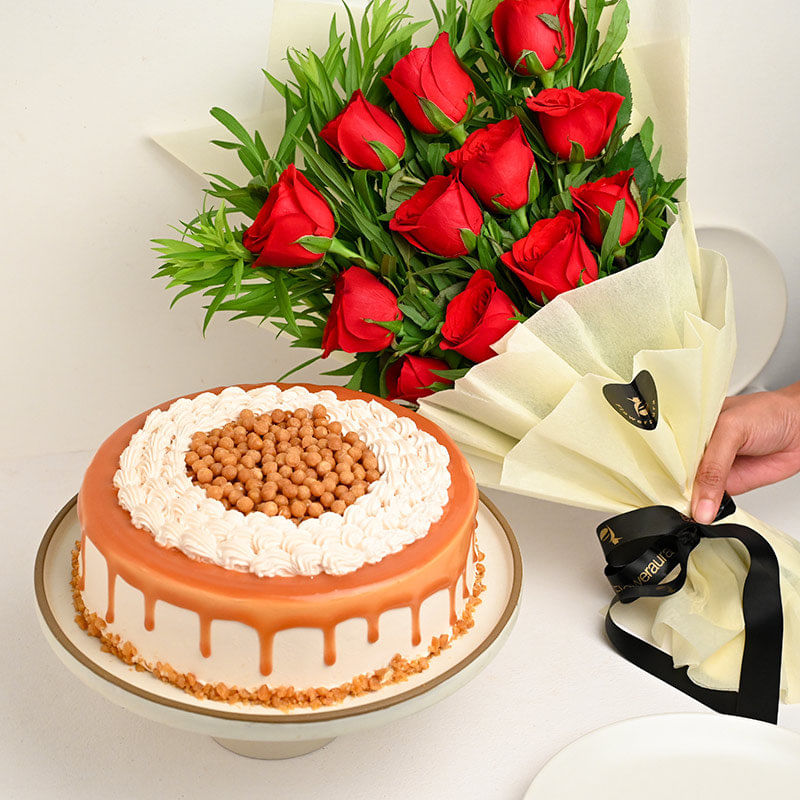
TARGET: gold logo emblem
(607,535)
(636,401)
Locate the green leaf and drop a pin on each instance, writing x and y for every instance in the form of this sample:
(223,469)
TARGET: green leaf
(469,238)
(234,126)
(388,266)
(370,376)
(248,152)
(355,381)
(577,154)
(316,244)
(581,41)
(395,326)
(581,176)
(451,374)
(532,62)
(352,70)
(611,236)
(594,8)
(412,313)
(238,272)
(191,289)
(285,304)
(486,255)
(646,136)
(656,165)
(632,154)
(219,296)
(297,368)
(435,115)
(617,32)
(387,156)
(226,145)
(551,20)
(295,126)
(281,88)
(613,77)
(347,369)
(400,189)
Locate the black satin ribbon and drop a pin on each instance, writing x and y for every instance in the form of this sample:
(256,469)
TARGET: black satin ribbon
(646,552)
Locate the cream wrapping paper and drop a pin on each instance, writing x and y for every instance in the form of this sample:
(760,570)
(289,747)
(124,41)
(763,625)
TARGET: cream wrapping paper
(534,420)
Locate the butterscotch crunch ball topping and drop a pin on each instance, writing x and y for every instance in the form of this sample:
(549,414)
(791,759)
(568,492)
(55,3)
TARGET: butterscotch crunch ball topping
(293,463)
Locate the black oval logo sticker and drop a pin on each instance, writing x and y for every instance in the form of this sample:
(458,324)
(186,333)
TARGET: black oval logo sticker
(636,401)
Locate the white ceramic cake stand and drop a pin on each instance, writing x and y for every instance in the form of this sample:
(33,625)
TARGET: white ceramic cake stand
(263,732)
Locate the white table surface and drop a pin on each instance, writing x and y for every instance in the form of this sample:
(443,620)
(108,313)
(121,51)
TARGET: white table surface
(555,680)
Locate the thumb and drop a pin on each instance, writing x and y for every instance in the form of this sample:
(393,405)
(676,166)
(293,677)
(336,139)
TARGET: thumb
(715,466)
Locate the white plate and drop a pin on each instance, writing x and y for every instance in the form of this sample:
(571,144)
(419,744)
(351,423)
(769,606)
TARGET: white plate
(266,732)
(759,295)
(675,757)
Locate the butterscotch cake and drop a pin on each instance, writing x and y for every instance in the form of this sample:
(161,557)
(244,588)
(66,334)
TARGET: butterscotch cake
(278,544)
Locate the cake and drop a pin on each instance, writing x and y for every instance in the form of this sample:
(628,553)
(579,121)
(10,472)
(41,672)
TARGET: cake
(278,544)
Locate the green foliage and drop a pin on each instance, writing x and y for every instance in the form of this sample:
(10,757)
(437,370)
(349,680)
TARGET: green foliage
(208,256)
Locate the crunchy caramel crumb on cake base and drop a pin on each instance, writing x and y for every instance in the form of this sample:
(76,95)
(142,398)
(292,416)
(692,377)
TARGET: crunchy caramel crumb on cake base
(284,698)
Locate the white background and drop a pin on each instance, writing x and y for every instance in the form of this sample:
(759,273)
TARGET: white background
(88,339)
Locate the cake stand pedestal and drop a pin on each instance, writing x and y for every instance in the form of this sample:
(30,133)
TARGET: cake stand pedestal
(272,750)
(267,733)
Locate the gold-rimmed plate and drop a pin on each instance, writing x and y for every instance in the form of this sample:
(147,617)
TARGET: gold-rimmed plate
(267,732)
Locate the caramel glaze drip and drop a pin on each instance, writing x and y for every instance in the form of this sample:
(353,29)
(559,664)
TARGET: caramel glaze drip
(403,580)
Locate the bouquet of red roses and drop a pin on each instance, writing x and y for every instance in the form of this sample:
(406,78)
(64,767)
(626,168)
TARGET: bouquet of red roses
(446,192)
(444,214)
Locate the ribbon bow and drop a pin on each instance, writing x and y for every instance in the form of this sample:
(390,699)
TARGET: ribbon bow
(643,548)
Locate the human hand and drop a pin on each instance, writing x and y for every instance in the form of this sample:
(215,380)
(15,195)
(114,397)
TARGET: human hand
(756,442)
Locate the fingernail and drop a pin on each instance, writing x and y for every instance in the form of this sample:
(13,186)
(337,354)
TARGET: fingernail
(705,512)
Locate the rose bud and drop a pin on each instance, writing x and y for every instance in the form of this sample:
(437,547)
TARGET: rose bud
(409,378)
(294,208)
(567,116)
(529,45)
(591,198)
(497,163)
(354,132)
(477,317)
(553,257)
(431,87)
(358,299)
(434,218)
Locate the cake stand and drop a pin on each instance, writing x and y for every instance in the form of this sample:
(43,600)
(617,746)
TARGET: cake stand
(265,732)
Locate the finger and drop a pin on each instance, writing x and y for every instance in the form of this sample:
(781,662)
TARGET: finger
(752,472)
(715,466)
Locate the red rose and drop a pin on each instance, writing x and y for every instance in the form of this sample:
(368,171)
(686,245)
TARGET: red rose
(477,317)
(353,131)
(553,257)
(602,195)
(567,115)
(294,208)
(435,216)
(358,298)
(431,75)
(497,163)
(408,378)
(518,28)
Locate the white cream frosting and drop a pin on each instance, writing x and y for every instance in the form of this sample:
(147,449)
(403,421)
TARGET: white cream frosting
(397,509)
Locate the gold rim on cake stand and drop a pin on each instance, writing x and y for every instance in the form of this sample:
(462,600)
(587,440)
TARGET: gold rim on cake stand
(267,733)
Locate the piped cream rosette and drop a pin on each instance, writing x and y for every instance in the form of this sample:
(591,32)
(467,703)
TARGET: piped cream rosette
(565,412)
(397,509)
